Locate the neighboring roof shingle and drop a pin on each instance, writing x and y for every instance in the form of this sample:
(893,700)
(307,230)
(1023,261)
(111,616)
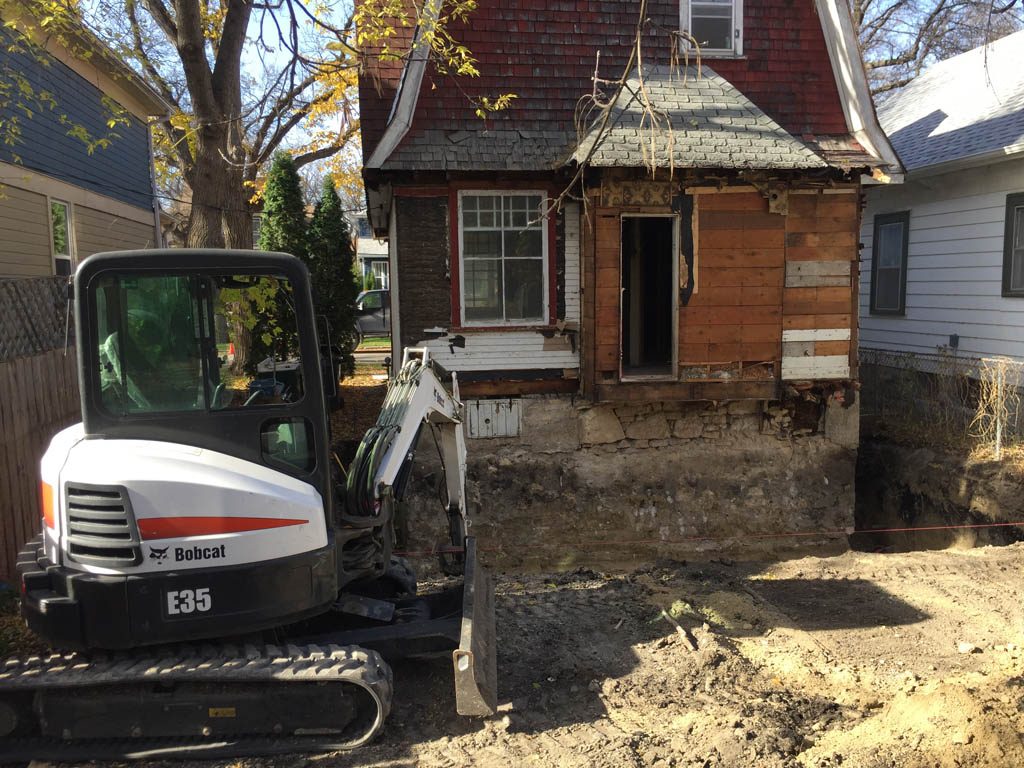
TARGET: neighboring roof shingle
(701,121)
(971,104)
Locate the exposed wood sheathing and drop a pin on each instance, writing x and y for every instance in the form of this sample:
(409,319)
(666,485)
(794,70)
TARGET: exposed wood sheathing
(760,276)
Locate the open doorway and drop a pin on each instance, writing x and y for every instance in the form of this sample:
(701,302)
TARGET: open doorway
(648,296)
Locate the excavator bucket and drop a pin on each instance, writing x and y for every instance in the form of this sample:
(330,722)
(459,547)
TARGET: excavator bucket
(475,660)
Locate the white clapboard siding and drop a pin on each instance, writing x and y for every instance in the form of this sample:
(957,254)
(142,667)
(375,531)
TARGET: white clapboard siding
(799,360)
(954,269)
(504,351)
(816,367)
(494,418)
(816,334)
(572,262)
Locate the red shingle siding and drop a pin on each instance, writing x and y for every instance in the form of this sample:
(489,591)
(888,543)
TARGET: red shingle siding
(787,71)
(378,82)
(544,51)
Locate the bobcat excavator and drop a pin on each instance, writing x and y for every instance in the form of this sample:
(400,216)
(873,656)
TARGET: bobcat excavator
(213,581)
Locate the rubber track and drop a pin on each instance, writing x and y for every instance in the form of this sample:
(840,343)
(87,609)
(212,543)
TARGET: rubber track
(196,664)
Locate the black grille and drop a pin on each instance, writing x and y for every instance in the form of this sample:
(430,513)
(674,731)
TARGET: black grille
(101,526)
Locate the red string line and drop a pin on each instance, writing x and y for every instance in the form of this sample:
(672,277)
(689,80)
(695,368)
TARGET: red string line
(690,539)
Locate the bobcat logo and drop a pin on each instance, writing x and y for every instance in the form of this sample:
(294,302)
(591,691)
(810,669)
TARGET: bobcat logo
(158,554)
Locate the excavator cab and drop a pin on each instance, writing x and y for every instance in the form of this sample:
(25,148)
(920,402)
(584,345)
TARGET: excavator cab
(196,501)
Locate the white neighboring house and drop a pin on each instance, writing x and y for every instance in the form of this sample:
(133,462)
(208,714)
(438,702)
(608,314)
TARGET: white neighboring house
(371,254)
(943,261)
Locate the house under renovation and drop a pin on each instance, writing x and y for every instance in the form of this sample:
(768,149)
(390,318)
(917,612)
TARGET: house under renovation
(643,275)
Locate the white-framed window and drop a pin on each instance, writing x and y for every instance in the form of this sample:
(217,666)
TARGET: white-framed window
(62,238)
(503,258)
(715,25)
(380,274)
(257,227)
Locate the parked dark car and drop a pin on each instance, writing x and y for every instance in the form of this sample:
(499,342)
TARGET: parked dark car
(373,314)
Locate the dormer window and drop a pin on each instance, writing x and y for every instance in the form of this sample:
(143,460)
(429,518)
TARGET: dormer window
(716,26)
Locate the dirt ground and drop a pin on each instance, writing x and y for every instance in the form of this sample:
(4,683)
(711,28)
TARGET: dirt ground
(866,660)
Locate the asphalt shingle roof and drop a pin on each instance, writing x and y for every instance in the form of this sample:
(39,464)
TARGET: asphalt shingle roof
(713,125)
(971,104)
(482,150)
(702,122)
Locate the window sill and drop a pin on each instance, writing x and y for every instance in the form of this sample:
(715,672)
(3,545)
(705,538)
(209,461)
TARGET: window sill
(704,55)
(540,328)
(887,313)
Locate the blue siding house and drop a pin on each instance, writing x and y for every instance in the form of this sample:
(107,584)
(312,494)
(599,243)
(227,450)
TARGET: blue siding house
(72,183)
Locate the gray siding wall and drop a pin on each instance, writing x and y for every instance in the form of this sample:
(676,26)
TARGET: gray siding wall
(24,234)
(120,171)
(97,231)
(954,265)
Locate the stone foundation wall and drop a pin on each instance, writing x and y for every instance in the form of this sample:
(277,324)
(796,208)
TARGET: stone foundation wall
(603,485)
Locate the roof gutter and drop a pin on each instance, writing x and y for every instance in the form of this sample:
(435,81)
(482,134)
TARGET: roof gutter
(404,106)
(848,69)
(1012,152)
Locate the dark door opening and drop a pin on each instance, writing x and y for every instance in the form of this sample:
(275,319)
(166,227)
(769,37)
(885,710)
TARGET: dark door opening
(648,286)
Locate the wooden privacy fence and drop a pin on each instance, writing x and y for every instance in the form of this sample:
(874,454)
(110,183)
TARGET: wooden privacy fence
(38,398)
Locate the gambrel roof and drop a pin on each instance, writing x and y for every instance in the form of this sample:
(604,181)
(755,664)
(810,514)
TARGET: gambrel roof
(799,91)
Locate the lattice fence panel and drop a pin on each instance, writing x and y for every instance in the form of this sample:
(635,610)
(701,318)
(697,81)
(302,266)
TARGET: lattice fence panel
(34,316)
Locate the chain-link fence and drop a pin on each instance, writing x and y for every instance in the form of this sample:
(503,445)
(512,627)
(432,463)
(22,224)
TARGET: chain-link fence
(943,399)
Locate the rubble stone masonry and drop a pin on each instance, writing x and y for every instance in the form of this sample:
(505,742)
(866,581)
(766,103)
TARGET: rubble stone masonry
(614,484)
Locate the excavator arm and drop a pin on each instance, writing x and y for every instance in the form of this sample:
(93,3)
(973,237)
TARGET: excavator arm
(377,478)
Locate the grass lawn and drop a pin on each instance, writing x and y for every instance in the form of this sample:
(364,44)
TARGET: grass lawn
(375,344)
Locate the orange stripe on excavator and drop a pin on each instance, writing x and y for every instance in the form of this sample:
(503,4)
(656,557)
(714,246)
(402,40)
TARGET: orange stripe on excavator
(175,527)
(46,502)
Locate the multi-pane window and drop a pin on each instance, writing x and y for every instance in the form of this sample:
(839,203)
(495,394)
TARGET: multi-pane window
(889,263)
(504,258)
(60,232)
(716,26)
(380,273)
(1013,246)
(257,228)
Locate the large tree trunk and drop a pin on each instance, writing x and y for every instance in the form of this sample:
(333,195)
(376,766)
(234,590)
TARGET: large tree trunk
(220,215)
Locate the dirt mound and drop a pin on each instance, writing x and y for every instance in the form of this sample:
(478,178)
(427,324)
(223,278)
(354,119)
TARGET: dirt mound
(942,725)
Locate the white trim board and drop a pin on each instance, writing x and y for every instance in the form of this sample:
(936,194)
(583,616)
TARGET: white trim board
(33,181)
(851,78)
(404,106)
(817,334)
(816,367)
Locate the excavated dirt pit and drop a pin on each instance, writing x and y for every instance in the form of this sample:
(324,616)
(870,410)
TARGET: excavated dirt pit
(866,660)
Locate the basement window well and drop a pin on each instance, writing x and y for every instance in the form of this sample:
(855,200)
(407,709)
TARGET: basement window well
(648,305)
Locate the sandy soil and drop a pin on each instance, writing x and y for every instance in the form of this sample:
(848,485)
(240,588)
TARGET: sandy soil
(865,660)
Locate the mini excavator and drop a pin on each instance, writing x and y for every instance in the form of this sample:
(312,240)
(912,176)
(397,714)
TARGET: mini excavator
(213,581)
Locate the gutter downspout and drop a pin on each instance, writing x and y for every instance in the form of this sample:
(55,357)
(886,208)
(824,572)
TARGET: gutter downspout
(158,234)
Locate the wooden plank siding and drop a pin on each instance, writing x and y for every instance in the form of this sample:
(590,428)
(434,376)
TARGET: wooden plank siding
(759,275)
(821,248)
(954,265)
(40,397)
(734,314)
